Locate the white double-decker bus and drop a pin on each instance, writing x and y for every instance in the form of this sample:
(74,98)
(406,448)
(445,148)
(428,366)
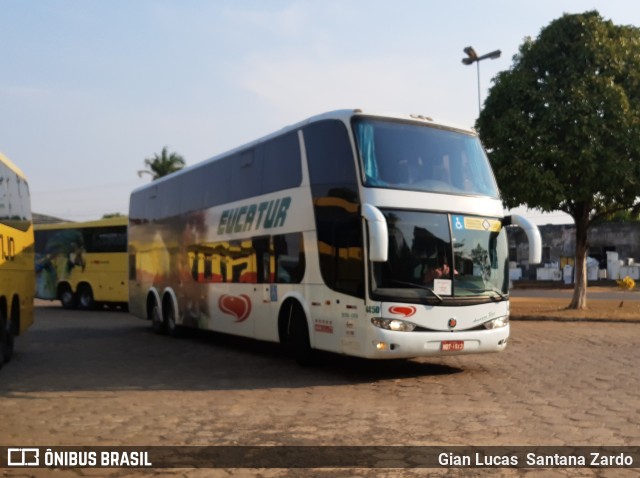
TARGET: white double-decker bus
(379,236)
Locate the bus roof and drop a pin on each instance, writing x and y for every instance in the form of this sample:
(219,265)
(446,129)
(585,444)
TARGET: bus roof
(112,221)
(12,166)
(344,115)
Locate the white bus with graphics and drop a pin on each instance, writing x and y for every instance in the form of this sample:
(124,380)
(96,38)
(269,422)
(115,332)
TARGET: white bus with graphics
(379,236)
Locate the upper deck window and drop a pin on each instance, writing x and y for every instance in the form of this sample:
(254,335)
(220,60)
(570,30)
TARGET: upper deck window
(417,157)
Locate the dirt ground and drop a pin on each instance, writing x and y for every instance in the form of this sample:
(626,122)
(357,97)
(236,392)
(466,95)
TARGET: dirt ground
(597,309)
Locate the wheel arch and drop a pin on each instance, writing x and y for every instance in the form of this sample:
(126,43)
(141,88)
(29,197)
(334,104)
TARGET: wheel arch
(62,285)
(153,297)
(285,314)
(169,299)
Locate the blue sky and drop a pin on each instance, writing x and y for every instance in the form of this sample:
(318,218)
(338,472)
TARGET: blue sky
(90,88)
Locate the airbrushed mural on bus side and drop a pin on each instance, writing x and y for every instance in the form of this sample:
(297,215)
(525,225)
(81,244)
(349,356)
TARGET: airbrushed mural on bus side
(62,252)
(200,255)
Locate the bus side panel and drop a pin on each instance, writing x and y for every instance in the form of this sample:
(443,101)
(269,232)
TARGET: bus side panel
(106,273)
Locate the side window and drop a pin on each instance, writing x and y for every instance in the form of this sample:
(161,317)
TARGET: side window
(334,186)
(194,185)
(217,179)
(289,258)
(241,261)
(246,175)
(281,154)
(106,239)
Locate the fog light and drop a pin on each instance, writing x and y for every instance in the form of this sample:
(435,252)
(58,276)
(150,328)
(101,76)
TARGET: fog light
(381,345)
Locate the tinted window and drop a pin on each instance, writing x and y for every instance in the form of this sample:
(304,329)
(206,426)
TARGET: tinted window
(417,157)
(281,163)
(289,258)
(334,187)
(106,239)
(246,175)
(269,167)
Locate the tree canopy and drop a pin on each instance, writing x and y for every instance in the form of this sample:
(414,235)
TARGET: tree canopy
(164,163)
(562,125)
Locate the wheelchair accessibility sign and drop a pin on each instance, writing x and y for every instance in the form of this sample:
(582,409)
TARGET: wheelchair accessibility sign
(461,223)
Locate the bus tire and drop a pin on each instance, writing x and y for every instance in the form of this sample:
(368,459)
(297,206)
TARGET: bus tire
(299,337)
(3,334)
(85,297)
(67,297)
(157,324)
(169,315)
(12,329)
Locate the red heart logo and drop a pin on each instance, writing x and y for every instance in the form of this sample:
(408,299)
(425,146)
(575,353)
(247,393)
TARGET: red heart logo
(406,310)
(237,305)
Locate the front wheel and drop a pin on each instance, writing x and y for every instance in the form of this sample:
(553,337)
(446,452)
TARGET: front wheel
(299,338)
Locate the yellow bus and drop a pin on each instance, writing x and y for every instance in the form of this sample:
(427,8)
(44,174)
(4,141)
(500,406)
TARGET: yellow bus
(16,257)
(82,264)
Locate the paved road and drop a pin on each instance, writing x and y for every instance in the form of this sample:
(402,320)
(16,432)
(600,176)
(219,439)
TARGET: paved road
(103,378)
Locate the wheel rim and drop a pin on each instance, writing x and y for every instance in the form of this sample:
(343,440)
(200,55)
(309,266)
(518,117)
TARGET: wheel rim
(156,320)
(66,298)
(171,321)
(85,297)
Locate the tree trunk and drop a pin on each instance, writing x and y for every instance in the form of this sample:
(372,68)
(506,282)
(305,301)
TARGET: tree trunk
(579,300)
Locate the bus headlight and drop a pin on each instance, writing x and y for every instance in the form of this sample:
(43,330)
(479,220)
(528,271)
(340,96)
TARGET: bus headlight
(393,324)
(497,323)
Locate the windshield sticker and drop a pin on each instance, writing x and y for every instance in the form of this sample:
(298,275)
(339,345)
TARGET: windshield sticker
(442,286)
(475,224)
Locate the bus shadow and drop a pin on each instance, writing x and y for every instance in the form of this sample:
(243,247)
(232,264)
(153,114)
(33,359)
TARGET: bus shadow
(70,352)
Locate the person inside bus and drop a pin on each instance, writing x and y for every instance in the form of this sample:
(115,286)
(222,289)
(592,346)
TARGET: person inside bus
(441,270)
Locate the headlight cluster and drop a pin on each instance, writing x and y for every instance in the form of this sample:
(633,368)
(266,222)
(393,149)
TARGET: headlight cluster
(393,324)
(497,323)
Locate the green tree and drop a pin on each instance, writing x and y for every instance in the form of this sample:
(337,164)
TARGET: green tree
(162,164)
(562,125)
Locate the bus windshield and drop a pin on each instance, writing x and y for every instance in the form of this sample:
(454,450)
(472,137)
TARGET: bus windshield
(412,156)
(434,257)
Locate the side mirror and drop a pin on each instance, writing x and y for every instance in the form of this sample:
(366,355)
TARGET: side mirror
(378,233)
(533,236)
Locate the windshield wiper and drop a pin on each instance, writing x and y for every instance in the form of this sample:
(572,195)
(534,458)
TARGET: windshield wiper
(419,286)
(495,291)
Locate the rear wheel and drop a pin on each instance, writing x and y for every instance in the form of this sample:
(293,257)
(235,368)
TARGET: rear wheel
(85,297)
(67,297)
(170,321)
(157,323)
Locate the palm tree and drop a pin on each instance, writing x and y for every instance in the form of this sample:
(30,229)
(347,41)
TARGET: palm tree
(162,164)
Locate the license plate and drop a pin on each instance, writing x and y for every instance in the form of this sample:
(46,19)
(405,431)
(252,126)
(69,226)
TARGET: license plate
(452,345)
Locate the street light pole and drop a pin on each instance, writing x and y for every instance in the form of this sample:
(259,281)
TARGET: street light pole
(472,57)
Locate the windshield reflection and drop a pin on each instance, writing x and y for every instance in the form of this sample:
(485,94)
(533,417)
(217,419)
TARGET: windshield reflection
(402,155)
(429,260)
